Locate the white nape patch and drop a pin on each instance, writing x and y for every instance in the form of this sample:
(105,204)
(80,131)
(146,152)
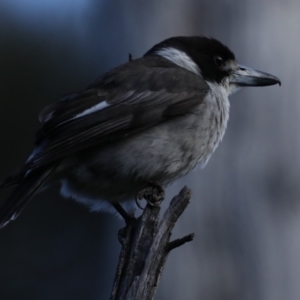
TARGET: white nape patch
(92,109)
(179,58)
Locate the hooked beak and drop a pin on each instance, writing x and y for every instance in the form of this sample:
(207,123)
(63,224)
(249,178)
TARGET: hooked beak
(245,76)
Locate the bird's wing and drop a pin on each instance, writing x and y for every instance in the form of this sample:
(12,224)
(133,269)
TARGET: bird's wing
(126,100)
(119,104)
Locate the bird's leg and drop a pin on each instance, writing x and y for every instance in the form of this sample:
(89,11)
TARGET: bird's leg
(124,214)
(153,193)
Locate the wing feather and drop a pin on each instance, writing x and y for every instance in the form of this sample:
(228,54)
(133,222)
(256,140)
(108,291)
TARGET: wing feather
(137,95)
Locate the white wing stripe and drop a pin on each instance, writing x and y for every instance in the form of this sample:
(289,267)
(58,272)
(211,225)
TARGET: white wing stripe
(92,109)
(179,58)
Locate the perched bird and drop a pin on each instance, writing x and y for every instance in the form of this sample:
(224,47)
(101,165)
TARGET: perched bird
(154,118)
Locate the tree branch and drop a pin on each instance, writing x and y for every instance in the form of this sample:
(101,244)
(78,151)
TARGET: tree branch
(145,248)
(179,242)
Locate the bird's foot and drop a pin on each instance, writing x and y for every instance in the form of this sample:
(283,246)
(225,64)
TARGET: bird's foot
(129,218)
(153,193)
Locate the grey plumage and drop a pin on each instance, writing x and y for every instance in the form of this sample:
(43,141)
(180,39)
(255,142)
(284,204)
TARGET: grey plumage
(151,119)
(163,153)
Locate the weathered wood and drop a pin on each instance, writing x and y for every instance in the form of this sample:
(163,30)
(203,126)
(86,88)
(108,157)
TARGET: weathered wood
(145,248)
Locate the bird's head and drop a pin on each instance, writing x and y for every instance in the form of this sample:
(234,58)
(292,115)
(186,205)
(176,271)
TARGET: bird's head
(209,58)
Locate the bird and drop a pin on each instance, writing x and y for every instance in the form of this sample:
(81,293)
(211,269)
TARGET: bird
(151,119)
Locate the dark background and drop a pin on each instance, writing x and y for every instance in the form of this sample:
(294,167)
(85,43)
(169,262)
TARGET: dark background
(245,208)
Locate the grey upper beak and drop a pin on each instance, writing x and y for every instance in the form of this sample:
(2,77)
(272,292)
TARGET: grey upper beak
(245,76)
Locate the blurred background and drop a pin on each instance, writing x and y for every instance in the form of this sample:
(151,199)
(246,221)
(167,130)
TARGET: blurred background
(245,209)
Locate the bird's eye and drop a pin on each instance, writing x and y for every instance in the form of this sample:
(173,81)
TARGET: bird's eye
(218,61)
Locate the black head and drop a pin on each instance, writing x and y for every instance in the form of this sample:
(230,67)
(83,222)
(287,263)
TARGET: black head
(212,60)
(209,55)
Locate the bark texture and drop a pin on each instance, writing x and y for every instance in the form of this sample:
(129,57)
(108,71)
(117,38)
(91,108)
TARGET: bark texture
(145,248)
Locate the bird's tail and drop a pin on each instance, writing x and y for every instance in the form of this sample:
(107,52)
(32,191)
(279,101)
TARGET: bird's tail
(28,185)
(13,179)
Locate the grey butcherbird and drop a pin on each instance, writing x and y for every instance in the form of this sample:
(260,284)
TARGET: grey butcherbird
(152,119)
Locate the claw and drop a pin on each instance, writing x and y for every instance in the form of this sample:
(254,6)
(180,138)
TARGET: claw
(139,196)
(153,193)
